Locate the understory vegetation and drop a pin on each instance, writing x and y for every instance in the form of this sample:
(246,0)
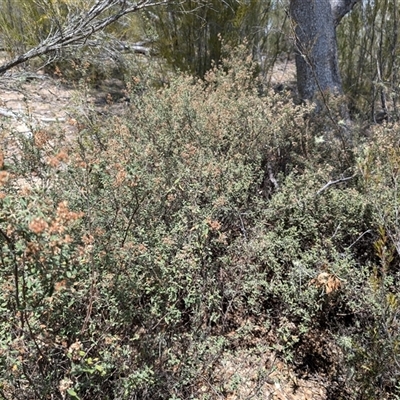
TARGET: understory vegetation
(203,236)
(212,220)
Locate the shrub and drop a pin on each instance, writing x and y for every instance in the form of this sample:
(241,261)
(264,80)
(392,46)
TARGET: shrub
(141,251)
(139,273)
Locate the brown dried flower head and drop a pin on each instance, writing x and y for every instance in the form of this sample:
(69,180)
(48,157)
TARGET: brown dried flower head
(214,224)
(38,225)
(4,177)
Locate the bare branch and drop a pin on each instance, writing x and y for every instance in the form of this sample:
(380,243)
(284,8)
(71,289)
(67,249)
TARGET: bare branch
(330,183)
(80,27)
(359,238)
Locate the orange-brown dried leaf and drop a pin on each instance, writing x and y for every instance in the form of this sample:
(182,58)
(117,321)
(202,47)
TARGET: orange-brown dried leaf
(329,282)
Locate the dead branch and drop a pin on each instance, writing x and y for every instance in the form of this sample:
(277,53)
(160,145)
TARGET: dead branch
(331,183)
(80,27)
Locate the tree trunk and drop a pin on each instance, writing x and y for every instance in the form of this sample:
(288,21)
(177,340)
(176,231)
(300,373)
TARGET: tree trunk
(316,57)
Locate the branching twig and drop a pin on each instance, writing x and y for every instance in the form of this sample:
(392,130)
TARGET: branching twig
(331,183)
(79,29)
(364,233)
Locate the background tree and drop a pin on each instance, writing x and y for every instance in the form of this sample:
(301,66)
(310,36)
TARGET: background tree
(369,54)
(188,34)
(315,34)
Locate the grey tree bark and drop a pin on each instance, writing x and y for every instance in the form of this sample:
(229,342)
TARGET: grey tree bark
(315,24)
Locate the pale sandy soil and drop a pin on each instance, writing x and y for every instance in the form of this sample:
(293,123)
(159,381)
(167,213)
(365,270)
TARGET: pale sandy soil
(33,100)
